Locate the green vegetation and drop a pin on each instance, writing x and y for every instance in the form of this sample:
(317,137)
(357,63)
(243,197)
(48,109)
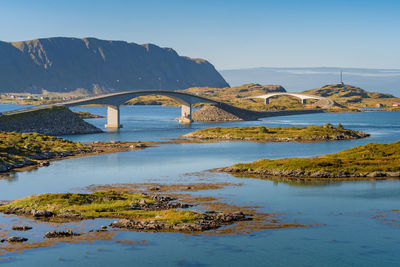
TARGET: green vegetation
(26,144)
(153,100)
(109,204)
(348,97)
(278,134)
(394,109)
(368,160)
(238,96)
(21,147)
(88,115)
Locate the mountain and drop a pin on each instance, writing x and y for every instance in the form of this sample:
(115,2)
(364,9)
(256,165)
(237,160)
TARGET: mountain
(299,79)
(66,64)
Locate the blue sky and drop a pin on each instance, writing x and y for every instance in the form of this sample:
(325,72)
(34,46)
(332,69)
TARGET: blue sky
(230,34)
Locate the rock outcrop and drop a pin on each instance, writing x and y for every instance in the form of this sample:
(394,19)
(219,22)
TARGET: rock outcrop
(211,220)
(213,113)
(98,66)
(224,112)
(57,234)
(309,174)
(21,228)
(52,121)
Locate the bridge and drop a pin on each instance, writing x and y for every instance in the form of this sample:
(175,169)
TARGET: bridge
(323,101)
(114,100)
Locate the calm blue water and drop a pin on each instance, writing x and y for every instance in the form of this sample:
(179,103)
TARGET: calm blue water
(347,234)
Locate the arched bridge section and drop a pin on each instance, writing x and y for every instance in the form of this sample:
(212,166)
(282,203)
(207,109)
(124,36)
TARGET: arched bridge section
(323,101)
(114,100)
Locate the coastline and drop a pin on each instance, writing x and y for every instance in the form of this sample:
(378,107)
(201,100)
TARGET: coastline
(262,134)
(309,175)
(97,148)
(373,160)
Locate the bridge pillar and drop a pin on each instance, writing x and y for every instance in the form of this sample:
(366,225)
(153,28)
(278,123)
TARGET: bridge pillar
(267,101)
(113,117)
(186,114)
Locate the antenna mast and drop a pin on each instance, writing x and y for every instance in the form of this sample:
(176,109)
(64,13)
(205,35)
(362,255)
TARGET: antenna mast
(341,77)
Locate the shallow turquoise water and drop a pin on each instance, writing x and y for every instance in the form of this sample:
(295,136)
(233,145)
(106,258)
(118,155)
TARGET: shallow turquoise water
(347,234)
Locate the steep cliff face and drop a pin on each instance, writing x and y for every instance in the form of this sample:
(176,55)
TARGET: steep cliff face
(66,64)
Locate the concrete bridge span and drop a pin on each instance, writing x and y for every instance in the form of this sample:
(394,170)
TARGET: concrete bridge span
(323,101)
(114,100)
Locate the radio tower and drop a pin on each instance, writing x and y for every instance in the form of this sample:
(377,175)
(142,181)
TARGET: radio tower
(341,77)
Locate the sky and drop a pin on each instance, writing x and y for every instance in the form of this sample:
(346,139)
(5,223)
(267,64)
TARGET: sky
(231,34)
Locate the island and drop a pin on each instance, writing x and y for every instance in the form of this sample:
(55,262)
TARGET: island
(135,211)
(311,133)
(368,161)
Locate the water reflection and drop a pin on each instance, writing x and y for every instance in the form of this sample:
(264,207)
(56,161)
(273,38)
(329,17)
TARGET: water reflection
(347,234)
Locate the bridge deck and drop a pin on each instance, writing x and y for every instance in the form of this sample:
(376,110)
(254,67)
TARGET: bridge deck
(116,99)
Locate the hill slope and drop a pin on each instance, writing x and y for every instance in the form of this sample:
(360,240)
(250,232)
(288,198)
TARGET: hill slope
(350,95)
(298,79)
(345,91)
(237,96)
(66,64)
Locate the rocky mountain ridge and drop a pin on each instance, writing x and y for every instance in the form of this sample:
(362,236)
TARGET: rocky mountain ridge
(67,64)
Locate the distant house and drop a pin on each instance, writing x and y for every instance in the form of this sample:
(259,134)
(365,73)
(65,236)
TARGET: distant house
(396,104)
(379,105)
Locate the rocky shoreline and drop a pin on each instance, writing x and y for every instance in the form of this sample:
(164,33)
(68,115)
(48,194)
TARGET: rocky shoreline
(93,148)
(223,112)
(284,139)
(308,174)
(44,159)
(210,220)
(370,161)
(277,134)
(199,222)
(38,160)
